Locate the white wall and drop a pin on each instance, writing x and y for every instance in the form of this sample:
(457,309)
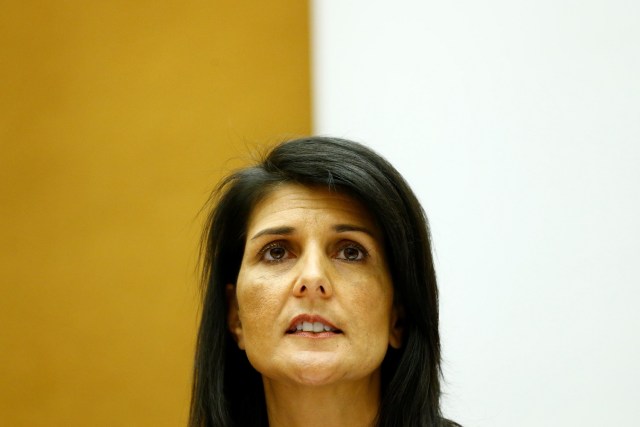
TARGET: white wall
(518,125)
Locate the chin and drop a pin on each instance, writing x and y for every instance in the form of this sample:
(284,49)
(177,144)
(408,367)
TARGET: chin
(316,368)
(311,369)
(326,377)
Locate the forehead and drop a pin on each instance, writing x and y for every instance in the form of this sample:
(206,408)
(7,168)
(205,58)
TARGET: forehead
(291,203)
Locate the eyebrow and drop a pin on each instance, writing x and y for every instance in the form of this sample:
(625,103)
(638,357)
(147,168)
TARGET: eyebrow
(286,231)
(341,228)
(275,231)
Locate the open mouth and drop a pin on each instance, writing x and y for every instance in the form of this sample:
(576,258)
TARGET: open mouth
(312,327)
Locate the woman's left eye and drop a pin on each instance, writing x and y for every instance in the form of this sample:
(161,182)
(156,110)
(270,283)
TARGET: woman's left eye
(352,252)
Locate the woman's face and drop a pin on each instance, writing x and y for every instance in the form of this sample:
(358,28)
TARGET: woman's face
(313,303)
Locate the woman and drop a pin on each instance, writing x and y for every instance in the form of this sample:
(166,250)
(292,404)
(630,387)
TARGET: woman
(320,297)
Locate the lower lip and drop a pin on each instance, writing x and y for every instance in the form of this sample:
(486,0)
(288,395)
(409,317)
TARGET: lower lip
(314,335)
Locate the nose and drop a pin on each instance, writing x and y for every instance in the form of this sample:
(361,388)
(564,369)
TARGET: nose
(313,280)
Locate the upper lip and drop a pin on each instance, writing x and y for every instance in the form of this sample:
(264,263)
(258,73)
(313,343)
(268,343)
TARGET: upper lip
(311,318)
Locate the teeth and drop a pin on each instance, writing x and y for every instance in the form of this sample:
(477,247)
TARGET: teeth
(315,327)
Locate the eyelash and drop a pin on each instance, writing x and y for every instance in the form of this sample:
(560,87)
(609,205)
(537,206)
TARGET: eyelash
(353,245)
(279,244)
(270,246)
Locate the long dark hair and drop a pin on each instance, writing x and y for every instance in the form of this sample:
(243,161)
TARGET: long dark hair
(227,391)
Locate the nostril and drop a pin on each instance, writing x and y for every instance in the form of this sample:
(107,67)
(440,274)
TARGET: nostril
(318,289)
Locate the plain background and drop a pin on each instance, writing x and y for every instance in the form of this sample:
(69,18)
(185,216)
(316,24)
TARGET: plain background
(518,125)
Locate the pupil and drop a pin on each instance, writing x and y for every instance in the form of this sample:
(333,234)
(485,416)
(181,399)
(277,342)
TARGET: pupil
(351,253)
(277,253)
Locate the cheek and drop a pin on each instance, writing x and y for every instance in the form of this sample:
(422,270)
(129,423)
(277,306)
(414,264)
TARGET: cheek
(371,303)
(257,303)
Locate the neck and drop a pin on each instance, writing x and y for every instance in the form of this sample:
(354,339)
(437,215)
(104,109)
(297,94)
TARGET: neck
(349,405)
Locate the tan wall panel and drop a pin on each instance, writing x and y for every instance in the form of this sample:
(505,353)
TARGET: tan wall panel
(116,119)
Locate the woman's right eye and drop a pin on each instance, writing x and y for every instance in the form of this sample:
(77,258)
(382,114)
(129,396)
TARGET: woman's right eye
(274,253)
